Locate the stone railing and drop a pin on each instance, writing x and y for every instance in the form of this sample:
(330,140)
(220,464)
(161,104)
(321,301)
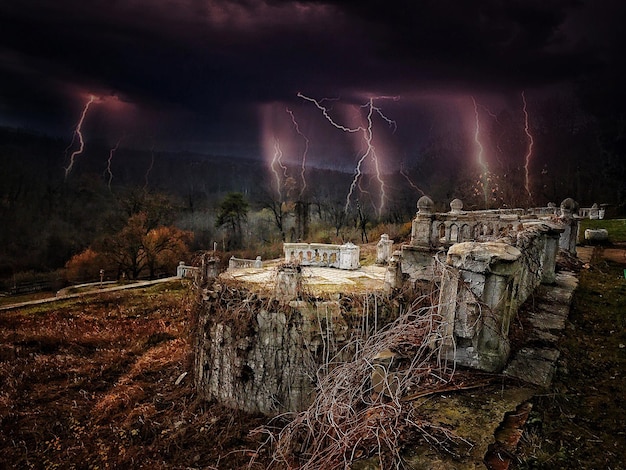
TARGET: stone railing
(593,212)
(550,209)
(441,230)
(483,286)
(241,263)
(183,271)
(323,255)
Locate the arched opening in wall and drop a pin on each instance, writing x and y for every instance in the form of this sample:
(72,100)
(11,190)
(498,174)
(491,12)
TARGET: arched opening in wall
(477,231)
(442,232)
(454,233)
(466,233)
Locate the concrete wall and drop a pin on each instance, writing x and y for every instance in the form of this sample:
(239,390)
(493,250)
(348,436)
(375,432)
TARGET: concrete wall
(482,288)
(344,256)
(272,366)
(262,353)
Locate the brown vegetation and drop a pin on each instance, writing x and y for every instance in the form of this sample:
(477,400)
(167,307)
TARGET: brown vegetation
(106,383)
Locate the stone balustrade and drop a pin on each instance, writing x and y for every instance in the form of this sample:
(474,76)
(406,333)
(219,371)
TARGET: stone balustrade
(483,286)
(594,212)
(241,263)
(323,255)
(183,271)
(435,231)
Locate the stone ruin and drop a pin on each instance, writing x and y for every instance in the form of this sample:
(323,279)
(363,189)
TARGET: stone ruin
(261,350)
(490,263)
(344,256)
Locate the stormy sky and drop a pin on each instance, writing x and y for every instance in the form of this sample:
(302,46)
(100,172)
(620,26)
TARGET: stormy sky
(224,76)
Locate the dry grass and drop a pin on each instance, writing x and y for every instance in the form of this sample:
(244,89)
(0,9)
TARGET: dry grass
(356,415)
(100,383)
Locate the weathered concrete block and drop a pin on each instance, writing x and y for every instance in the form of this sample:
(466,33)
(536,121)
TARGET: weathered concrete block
(384,249)
(492,257)
(599,235)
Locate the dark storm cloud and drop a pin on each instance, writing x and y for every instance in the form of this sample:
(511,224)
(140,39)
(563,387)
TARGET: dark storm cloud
(206,58)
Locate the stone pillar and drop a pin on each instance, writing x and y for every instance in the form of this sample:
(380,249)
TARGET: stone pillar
(393,274)
(383,249)
(549,256)
(180,270)
(421,228)
(594,212)
(209,268)
(349,256)
(476,303)
(258,263)
(568,219)
(288,281)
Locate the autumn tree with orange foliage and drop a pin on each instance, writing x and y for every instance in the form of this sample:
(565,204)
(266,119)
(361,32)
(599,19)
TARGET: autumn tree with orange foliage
(133,250)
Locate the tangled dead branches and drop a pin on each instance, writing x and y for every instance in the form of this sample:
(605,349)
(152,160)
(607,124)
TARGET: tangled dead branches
(361,408)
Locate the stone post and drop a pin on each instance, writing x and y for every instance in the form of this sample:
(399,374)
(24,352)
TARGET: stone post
(393,274)
(349,256)
(288,280)
(476,303)
(421,227)
(568,219)
(550,253)
(180,270)
(383,249)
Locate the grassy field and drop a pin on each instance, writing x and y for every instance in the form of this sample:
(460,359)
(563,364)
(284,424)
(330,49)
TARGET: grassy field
(615,227)
(106,382)
(579,422)
(100,383)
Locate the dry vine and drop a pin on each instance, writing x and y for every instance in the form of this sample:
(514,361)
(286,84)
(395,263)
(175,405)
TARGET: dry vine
(354,416)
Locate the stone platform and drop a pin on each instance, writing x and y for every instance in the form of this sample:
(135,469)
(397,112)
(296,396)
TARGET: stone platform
(316,279)
(544,320)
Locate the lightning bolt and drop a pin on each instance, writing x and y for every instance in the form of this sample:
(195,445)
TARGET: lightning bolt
(370,150)
(413,185)
(531,143)
(277,161)
(78,134)
(109,160)
(480,153)
(495,118)
(304,153)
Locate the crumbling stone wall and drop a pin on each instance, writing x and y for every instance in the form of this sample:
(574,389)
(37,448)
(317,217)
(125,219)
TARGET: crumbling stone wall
(269,366)
(434,233)
(483,287)
(262,352)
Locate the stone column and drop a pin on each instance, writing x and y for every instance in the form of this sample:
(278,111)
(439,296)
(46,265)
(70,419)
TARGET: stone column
(393,274)
(180,270)
(288,280)
(550,253)
(476,303)
(383,249)
(349,256)
(421,227)
(568,219)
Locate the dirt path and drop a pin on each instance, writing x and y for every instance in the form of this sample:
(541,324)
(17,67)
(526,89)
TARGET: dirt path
(95,291)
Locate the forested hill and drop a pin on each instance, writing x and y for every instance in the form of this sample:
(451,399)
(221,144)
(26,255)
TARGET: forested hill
(49,214)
